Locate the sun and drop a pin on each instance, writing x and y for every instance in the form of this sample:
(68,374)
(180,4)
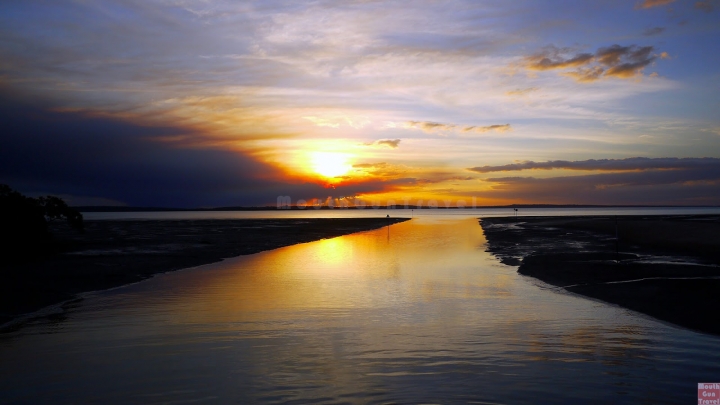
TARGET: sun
(329,164)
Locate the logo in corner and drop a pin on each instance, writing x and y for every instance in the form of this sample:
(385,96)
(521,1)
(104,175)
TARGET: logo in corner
(709,393)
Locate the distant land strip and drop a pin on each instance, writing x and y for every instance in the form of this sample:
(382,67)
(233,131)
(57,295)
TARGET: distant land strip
(115,208)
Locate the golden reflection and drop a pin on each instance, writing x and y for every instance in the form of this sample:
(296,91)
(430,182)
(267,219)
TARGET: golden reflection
(428,261)
(422,261)
(332,252)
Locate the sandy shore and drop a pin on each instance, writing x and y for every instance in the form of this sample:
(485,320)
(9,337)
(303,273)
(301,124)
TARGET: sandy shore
(667,267)
(113,253)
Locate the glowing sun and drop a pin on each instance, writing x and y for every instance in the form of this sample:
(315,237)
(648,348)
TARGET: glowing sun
(330,164)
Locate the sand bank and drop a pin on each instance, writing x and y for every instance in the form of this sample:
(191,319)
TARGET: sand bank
(113,253)
(667,267)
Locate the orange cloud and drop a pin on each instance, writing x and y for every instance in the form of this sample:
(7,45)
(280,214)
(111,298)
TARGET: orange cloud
(496,128)
(585,75)
(653,3)
(429,126)
(542,62)
(612,61)
(626,70)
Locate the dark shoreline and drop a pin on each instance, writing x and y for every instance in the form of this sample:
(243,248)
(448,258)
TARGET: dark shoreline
(662,266)
(112,253)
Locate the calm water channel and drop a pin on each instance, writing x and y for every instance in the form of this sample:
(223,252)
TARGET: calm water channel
(419,313)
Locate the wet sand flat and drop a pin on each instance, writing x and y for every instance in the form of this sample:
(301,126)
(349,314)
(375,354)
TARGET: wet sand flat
(667,267)
(113,253)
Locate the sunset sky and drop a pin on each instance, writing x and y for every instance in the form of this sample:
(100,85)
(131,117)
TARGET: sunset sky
(201,103)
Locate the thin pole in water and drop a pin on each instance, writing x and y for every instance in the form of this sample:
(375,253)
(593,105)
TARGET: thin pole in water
(617,241)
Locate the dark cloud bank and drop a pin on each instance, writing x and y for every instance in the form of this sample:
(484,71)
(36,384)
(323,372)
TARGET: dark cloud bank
(72,154)
(659,181)
(635,163)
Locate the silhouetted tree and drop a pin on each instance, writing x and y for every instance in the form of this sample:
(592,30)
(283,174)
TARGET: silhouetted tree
(55,208)
(24,223)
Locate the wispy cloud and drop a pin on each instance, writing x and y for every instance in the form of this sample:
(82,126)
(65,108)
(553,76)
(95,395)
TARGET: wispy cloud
(629,164)
(323,122)
(715,130)
(390,143)
(522,92)
(653,31)
(337,121)
(612,61)
(483,129)
(705,5)
(369,165)
(430,126)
